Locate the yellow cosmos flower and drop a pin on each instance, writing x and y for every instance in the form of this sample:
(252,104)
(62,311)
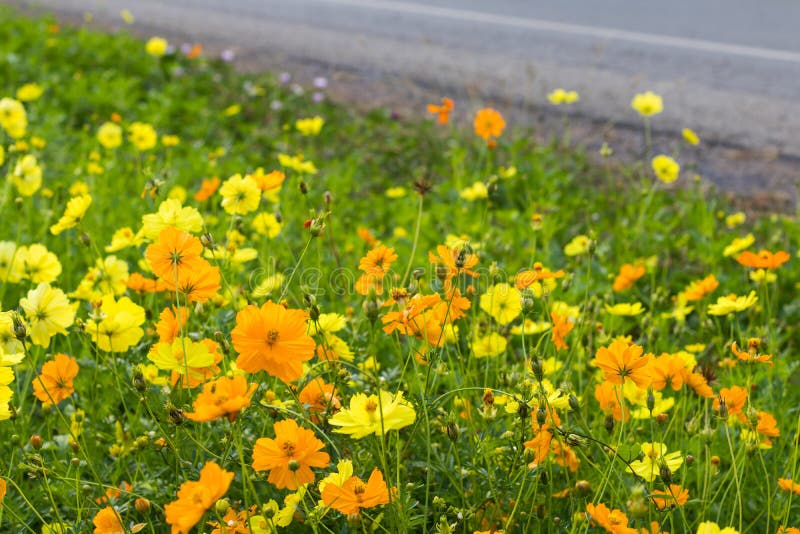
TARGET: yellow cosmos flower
(655,456)
(625,309)
(27,175)
(156,46)
(171,356)
(171,213)
(267,224)
(37,264)
(268,285)
(561,96)
(142,136)
(732,304)
(309,127)
(107,277)
(666,168)
(123,238)
(240,195)
(76,209)
(109,135)
(11,349)
(118,326)
(647,104)
(735,219)
(579,245)
(396,192)
(530,327)
(29,92)
(297,163)
(709,527)
(492,344)
(476,191)
(13,117)
(763,276)
(690,137)
(48,312)
(170,140)
(502,302)
(739,244)
(374,414)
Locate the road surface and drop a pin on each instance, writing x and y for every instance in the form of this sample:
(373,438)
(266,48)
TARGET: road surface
(728,69)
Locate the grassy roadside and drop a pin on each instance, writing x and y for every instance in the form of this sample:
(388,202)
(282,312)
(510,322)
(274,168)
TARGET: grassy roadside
(491,400)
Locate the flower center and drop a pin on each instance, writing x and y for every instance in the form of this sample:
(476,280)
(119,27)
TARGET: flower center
(272,337)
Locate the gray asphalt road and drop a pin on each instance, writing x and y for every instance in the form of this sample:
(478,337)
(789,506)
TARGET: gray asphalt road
(729,69)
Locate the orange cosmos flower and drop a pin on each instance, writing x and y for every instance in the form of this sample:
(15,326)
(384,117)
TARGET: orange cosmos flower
(169,325)
(620,361)
(787,484)
(107,521)
(222,397)
(442,112)
(667,370)
(198,284)
(700,288)
(271,180)
(489,124)
(612,520)
(628,274)
(354,495)
(698,383)
(734,398)
(539,272)
(676,496)
(752,354)
(455,261)
(367,236)
(272,339)
(318,396)
(174,253)
(207,189)
(606,394)
(195,51)
(137,282)
(290,456)
(55,382)
(195,497)
(561,327)
(763,260)
(375,265)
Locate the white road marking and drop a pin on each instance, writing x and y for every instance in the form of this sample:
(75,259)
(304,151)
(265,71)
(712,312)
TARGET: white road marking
(573,29)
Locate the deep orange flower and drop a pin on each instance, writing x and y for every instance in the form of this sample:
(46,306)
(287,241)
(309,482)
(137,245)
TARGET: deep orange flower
(198,284)
(698,383)
(752,354)
(620,361)
(354,495)
(787,484)
(272,339)
(561,327)
(667,370)
(675,497)
(442,112)
(54,384)
(489,124)
(169,325)
(174,253)
(455,261)
(423,317)
(700,288)
(614,521)
(207,189)
(543,445)
(367,237)
(735,398)
(763,260)
(2,490)
(606,394)
(318,396)
(271,180)
(222,397)
(375,264)
(539,272)
(628,274)
(137,282)
(234,522)
(290,456)
(195,497)
(767,426)
(107,521)
(195,51)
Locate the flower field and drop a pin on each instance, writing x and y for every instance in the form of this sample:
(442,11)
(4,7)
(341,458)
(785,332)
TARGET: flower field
(231,306)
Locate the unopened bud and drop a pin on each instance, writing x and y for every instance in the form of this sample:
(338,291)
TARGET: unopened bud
(36,441)
(142,505)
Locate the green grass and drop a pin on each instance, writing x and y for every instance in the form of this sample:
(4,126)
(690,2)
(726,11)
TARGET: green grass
(462,465)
